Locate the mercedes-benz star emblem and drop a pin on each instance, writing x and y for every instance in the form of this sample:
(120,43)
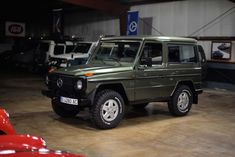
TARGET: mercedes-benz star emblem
(59,82)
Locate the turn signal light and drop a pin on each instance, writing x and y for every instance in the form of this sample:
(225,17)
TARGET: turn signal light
(88,74)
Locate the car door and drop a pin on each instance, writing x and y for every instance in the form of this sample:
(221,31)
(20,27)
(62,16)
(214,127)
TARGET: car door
(149,79)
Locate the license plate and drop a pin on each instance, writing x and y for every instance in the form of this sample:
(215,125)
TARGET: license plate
(70,101)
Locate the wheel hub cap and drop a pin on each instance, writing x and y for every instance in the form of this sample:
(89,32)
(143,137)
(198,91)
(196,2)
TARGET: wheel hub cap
(183,101)
(110,110)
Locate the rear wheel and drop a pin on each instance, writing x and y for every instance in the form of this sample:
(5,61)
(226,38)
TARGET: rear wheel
(181,101)
(61,110)
(108,109)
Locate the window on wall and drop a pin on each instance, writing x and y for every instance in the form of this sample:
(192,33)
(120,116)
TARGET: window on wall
(153,51)
(181,54)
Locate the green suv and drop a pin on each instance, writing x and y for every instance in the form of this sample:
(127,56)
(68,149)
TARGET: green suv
(126,71)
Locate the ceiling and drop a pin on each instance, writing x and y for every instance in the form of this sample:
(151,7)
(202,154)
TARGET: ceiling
(42,7)
(31,9)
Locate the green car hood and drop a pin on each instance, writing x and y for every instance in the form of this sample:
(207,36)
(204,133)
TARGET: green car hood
(81,70)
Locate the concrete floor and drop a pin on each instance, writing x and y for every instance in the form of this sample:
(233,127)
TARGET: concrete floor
(208,130)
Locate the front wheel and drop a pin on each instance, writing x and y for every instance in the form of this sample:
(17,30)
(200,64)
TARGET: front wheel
(181,101)
(108,109)
(62,111)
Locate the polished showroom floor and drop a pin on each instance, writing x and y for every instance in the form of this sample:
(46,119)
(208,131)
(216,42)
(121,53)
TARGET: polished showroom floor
(208,130)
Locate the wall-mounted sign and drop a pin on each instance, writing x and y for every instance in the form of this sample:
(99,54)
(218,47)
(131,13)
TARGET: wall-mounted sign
(221,50)
(15,29)
(132,22)
(58,21)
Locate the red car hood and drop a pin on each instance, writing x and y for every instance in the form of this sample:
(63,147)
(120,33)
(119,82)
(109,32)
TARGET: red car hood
(21,142)
(38,153)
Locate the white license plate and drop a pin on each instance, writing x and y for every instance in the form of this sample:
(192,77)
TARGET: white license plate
(68,100)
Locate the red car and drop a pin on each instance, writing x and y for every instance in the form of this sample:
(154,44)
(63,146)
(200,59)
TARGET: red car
(12,145)
(39,153)
(28,146)
(5,125)
(21,142)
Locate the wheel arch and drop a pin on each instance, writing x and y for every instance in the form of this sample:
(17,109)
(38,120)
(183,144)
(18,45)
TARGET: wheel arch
(118,87)
(188,83)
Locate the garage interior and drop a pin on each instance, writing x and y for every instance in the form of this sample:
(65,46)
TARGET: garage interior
(208,130)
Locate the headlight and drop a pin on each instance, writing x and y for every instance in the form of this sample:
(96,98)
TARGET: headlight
(78,85)
(64,61)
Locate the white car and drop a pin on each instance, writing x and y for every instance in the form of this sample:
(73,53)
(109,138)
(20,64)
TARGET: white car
(49,48)
(77,56)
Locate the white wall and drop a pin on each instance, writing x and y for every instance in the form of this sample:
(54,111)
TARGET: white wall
(181,18)
(90,25)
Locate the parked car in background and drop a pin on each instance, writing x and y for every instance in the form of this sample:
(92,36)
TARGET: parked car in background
(76,56)
(5,125)
(23,52)
(36,56)
(49,48)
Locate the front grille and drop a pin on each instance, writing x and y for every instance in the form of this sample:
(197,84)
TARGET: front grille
(67,88)
(67,85)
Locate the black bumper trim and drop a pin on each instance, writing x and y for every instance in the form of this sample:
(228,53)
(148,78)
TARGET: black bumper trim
(81,101)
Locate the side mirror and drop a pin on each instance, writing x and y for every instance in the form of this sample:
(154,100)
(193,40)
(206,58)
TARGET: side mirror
(146,61)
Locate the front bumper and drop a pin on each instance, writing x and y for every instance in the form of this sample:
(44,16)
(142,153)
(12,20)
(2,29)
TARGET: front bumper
(83,102)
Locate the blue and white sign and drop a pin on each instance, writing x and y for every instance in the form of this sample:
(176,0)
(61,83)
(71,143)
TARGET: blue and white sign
(132,22)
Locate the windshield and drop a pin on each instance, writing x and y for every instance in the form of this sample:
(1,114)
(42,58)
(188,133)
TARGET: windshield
(59,49)
(69,48)
(116,52)
(82,48)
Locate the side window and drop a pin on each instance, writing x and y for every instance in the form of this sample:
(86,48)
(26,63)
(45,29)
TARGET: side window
(173,54)
(181,54)
(188,54)
(153,51)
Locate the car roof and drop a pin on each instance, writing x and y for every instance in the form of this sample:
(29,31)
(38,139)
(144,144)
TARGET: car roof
(157,38)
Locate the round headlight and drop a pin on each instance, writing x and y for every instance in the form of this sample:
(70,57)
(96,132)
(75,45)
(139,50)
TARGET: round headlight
(78,85)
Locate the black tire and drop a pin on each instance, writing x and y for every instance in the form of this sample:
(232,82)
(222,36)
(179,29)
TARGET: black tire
(62,111)
(102,99)
(140,106)
(176,108)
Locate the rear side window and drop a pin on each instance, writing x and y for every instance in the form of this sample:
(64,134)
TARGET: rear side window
(181,54)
